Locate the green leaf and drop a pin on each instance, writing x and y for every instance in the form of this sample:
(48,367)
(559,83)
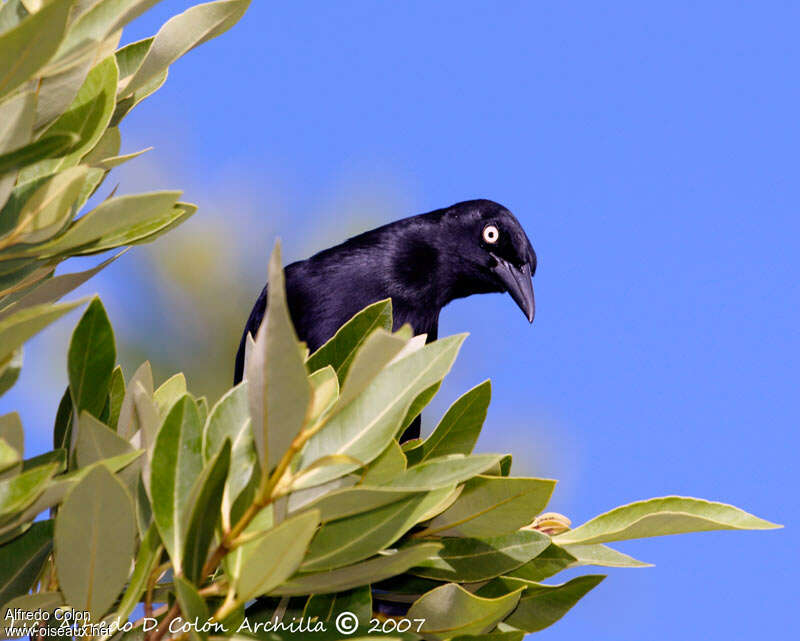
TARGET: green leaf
(10,367)
(365,426)
(87,117)
(17,274)
(108,163)
(62,61)
(91,359)
(169,392)
(445,470)
(149,424)
(30,45)
(230,420)
(9,457)
(16,126)
(467,560)
(22,559)
(403,588)
(62,428)
(602,555)
(125,105)
(555,559)
(234,562)
(490,506)
(662,516)
(19,327)
(505,465)
(276,555)
(324,392)
(38,151)
(18,492)
(146,560)
(445,503)
(450,610)
(355,538)
(91,574)
(117,221)
(55,491)
(58,456)
(52,289)
(193,607)
(108,145)
(552,561)
(142,232)
(62,80)
(182,33)
(542,605)
(350,501)
(12,12)
(390,464)
(96,441)
(326,607)
(204,512)
(128,424)
(142,506)
(381,567)
(277,382)
(94,177)
(16,120)
(459,428)
(130,58)
(501,468)
(12,432)
(116,394)
(376,352)
(419,404)
(342,347)
(104,18)
(177,462)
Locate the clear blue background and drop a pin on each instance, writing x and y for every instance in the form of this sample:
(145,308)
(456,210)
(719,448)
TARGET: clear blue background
(652,154)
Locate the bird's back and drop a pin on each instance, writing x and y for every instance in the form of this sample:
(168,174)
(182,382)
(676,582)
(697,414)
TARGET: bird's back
(421,262)
(323,292)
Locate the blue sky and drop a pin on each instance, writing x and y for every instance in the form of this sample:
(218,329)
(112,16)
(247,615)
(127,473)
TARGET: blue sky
(651,154)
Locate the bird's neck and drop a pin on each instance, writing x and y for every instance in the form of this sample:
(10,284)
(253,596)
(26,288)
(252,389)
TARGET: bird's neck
(428,272)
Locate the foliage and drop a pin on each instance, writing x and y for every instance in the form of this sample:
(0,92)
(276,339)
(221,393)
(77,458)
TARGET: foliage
(64,90)
(290,495)
(293,490)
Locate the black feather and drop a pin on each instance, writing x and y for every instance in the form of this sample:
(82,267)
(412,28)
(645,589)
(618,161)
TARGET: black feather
(421,263)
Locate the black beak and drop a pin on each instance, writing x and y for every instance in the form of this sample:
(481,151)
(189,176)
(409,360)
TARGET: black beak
(517,282)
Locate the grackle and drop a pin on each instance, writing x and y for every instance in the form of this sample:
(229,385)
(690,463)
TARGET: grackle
(421,263)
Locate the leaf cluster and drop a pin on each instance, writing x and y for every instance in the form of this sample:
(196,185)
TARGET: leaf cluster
(65,87)
(292,497)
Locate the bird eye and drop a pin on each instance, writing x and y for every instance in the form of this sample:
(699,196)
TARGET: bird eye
(490,234)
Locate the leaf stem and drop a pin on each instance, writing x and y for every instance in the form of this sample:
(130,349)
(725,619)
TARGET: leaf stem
(230,539)
(264,498)
(151,584)
(161,630)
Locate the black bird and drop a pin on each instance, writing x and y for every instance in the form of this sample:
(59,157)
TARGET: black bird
(421,263)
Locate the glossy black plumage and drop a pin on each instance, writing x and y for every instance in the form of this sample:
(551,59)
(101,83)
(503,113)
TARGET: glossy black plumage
(421,263)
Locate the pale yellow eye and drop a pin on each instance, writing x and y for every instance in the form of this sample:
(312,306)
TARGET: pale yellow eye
(490,234)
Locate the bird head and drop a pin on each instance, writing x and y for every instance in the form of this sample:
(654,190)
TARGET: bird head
(494,252)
